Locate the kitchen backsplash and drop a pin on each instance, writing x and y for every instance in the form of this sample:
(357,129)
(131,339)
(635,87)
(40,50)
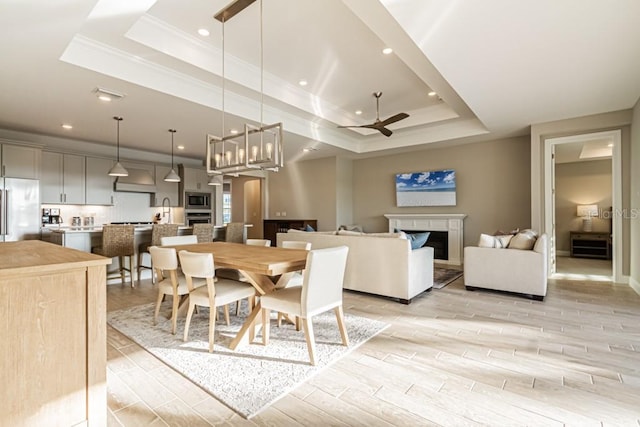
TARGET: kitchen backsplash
(127,207)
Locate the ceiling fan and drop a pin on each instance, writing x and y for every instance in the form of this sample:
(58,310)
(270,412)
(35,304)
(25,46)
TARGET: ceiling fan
(378,124)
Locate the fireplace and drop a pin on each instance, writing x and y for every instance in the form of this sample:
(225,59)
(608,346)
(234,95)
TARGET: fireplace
(438,240)
(446,236)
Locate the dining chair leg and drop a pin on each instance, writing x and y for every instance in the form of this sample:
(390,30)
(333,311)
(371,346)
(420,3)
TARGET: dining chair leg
(174,313)
(266,314)
(121,268)
(238,307)
(212,331)
(343,330)
(158,303)
(311,343)
(188,321)
(226,315)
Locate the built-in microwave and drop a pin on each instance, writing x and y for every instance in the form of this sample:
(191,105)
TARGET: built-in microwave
(193,200)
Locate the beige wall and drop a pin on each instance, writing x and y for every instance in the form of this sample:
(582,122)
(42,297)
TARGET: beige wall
(493,185)
(245,202)
(576,126)
(635,199)
(581,183)
(306,190)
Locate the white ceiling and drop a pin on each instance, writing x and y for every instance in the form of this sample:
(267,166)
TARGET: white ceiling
(498,66)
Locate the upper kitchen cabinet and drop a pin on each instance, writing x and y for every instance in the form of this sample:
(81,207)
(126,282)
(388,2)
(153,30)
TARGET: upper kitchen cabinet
(195,179)
(62,179)
(168,190)
(20,162)
(99,185)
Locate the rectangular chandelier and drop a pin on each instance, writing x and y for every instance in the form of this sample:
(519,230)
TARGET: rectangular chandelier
(257,148)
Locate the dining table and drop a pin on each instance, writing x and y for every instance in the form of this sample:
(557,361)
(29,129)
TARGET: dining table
(267,268)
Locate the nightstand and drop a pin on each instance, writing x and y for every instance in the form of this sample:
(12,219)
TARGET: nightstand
(590,244)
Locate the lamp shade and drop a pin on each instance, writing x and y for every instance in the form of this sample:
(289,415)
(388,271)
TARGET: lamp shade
(172,176)
(587,210)
(215,180)
(118,170)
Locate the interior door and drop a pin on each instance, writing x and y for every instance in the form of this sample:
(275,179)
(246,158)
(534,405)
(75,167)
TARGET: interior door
(552,235)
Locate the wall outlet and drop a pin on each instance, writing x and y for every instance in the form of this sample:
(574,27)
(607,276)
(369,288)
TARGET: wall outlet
(284,213)
(277,213)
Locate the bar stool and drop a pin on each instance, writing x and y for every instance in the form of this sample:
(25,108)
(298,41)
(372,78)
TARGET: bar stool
(117,241)
(158,231)
(235,232)
(204,232)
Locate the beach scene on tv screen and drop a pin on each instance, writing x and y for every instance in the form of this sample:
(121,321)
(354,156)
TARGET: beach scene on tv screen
(434,188)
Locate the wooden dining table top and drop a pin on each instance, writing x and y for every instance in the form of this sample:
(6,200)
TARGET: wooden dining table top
(265,260)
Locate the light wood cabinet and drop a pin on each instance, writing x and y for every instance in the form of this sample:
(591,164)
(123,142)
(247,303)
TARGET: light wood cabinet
(62,178)
(99,185)
(165,189)
(20,162)
(53,333)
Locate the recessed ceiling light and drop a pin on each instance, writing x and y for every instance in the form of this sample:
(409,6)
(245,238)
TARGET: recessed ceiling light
(203,32)
(358,112)
(309,149)
(67,126)
(387,50)
(432,93)
(610,145)
(180,147)
(303,82)
(107,95)
(104,98)
(233,131)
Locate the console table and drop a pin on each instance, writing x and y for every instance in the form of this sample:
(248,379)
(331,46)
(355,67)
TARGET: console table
(590,244)
(271,227)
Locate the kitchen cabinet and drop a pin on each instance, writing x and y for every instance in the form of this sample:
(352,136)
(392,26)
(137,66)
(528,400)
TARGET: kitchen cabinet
(165,189)
(62,179)
(195,179)
(99,185)
(20,162)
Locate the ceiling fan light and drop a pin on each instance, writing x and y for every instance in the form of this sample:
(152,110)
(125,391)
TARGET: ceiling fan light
(172,176)
(118,170)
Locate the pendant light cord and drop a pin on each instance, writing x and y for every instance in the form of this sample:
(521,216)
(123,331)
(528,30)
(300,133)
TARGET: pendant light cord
(172,132)
(261,70)
(118,120)
(223,86)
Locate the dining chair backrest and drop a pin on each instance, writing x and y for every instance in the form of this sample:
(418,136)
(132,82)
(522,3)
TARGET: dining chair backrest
(163,258)
(187,239)
(235,232)
(117,240)
(197,264)
(294,244)
(258,242)
(323,279)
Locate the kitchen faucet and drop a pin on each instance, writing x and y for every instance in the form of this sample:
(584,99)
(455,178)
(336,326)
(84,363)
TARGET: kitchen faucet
(168,208)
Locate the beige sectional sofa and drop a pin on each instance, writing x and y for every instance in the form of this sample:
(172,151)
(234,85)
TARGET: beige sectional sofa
(511,270)
(380,263)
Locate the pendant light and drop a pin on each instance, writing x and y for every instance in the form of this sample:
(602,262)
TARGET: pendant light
(118,169)
(215,180)
(172,176)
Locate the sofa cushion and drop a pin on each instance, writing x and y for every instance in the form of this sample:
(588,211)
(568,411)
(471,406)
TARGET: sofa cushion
(525,240)
(488,241)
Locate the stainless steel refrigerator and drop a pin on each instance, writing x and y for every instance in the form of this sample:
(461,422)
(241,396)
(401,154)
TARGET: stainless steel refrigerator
(19,209)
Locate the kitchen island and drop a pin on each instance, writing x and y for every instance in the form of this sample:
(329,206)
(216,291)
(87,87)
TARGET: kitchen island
(53,335)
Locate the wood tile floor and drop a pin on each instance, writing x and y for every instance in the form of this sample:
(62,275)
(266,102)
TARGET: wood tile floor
(450,358)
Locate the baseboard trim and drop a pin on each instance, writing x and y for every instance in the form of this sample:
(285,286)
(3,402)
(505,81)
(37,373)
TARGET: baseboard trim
(635,285)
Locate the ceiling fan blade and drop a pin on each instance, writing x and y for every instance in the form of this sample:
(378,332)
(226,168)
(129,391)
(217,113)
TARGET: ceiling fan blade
(393,119)
(384,131)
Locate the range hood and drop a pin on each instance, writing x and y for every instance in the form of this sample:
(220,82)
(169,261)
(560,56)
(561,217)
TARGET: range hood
(138,181)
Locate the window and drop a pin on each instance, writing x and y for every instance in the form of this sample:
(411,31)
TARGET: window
(226,202)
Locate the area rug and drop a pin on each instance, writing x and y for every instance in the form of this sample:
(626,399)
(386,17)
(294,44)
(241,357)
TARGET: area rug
(443,276)
(254,376)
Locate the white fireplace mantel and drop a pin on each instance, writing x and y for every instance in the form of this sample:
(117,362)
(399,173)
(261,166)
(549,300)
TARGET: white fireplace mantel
(451,223)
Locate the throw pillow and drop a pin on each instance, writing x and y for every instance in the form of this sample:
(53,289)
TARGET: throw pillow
(524,240)
(488,241)
(418,240)
(309,228)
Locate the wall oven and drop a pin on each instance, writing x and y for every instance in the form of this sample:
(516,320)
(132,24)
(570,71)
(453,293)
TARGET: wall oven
(197,218)
(193,200)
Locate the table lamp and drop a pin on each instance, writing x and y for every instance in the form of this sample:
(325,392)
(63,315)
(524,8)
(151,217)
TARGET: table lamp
(587,212)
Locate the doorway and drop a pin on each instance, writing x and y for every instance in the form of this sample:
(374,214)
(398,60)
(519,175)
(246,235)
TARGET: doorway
(583,176)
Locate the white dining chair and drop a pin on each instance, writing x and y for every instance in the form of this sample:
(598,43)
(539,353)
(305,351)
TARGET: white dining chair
(187,239)
(321,290)
(217,293)
(297,278)
(294,244)
(258,242)
(170,281)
